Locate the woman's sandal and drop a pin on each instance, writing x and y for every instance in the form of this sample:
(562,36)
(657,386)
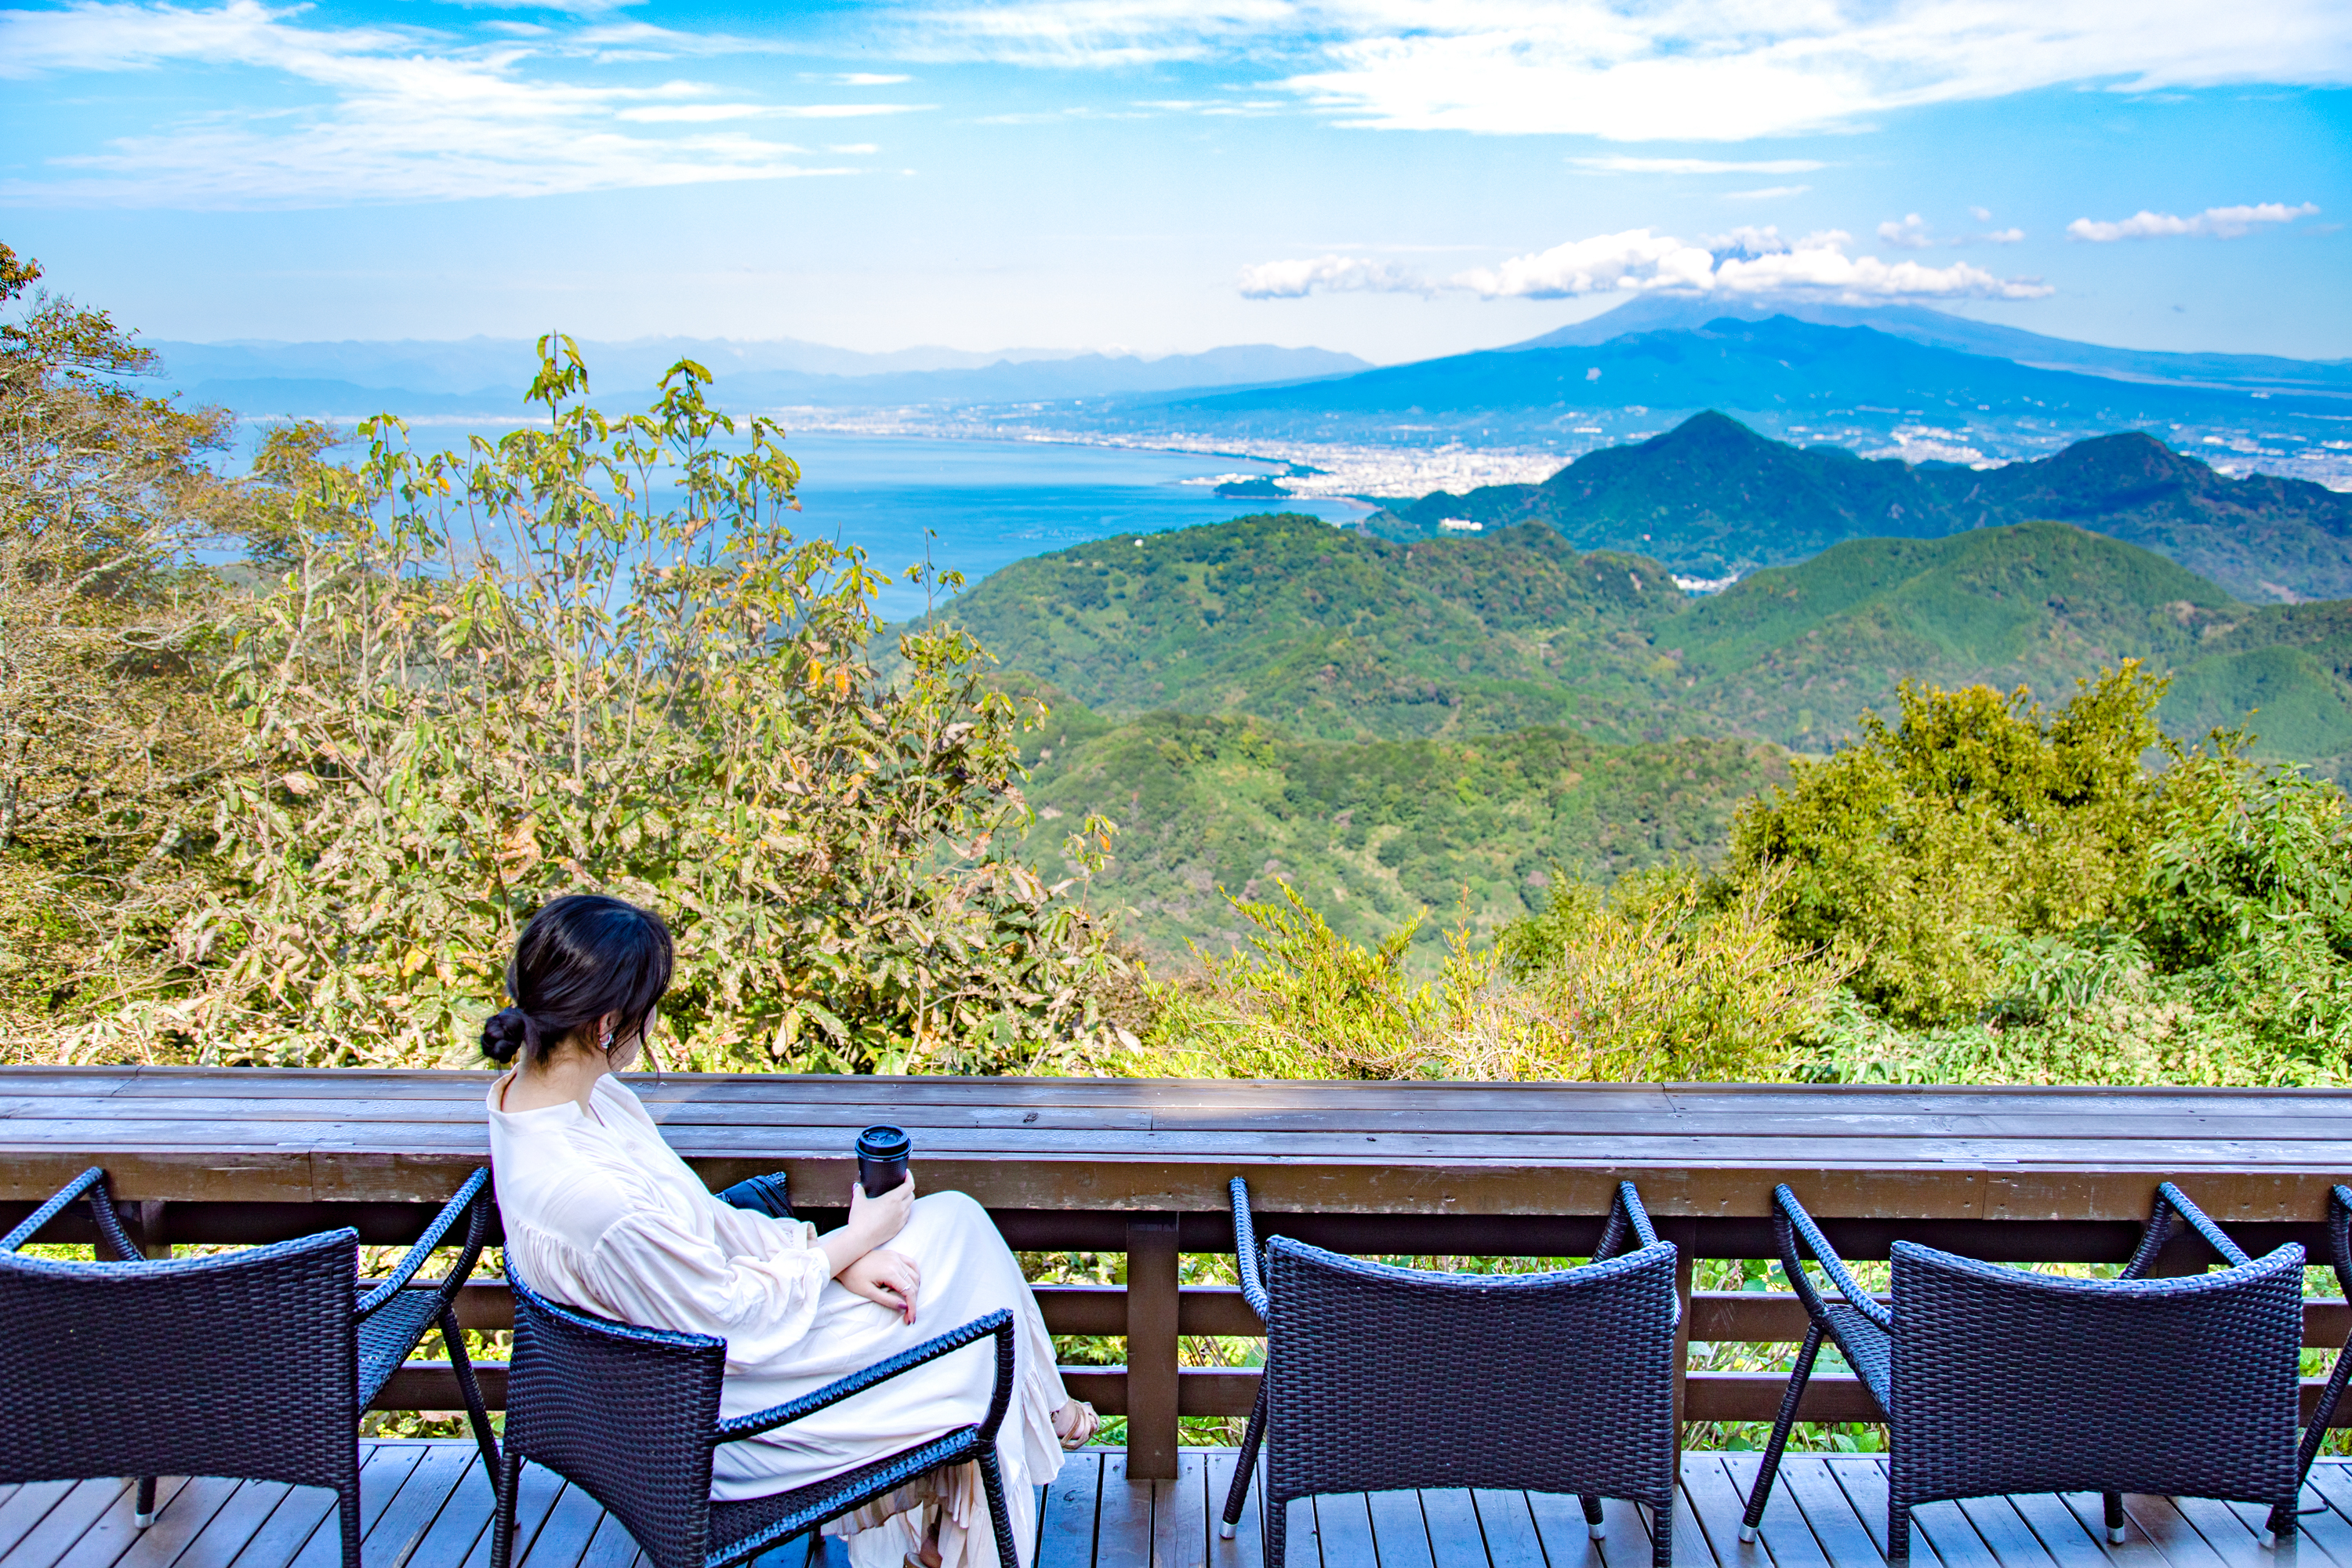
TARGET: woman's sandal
(1083,1431)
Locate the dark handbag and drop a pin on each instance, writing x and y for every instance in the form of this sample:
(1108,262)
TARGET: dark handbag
(761,1195)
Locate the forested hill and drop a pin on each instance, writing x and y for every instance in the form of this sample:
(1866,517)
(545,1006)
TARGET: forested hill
(1392,722)
(1712,497)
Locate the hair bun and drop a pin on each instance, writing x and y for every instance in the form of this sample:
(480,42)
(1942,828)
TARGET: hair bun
(503,1034)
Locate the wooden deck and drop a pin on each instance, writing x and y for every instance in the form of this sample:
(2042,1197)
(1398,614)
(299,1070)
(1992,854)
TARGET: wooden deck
(428,1506)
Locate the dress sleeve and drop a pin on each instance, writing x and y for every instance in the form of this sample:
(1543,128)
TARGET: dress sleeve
(760,1302)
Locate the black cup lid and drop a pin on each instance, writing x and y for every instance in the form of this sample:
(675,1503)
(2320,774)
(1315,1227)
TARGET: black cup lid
(884,1144)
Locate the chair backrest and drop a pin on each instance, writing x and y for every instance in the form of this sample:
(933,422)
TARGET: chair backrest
(1380,1377)
(241,1364)
(2008,1381)
(626,1414)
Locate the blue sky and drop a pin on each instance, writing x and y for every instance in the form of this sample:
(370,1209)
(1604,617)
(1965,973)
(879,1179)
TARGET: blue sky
(1394,178)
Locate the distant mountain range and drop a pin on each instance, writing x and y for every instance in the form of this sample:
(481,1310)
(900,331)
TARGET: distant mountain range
(1398,722)
(1711,497)
(486,377)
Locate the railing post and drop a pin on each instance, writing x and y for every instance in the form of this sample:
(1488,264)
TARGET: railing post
(1684,1235)
(146,1227)
(1151,1302)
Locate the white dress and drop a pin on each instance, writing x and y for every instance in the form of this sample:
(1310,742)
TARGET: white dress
(599,1214)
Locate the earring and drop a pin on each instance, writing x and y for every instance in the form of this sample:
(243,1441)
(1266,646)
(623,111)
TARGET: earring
(604,1041)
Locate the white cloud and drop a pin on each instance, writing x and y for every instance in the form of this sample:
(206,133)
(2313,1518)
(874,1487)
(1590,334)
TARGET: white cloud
(1766,194)
(397,114)
(2213,222)
(1326,275)
(854,79)
(2003,236)
(1666,70)
(1749,262)
(1697,166)
(1911,233)
(1983,215)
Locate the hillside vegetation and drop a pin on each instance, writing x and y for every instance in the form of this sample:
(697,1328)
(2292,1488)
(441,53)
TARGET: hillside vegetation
(1712,497)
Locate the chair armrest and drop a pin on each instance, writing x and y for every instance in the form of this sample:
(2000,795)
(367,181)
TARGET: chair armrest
(1245,1253)
(2171,1205)
(473,1203)
(1627,1217)
(761,1195)
(1792,1225)
(2339,1235)
(109,1224)
(999,1322)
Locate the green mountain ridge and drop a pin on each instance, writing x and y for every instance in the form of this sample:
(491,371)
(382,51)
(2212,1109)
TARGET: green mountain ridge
(1714,497)
(1397,724)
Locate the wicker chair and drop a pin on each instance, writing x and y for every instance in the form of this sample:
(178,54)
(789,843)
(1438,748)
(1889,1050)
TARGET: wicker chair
(1380,1378)
(1998,1380)
(630,1415)
(383,1327)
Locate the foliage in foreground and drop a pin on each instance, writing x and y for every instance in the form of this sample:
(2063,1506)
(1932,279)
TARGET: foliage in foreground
(1981,891)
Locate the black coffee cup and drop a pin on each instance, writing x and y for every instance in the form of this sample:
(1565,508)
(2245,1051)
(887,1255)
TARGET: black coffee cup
(882,1159)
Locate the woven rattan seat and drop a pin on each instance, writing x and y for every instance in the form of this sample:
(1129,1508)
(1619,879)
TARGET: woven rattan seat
(182,1349)
(630,1415)
(1997,1380)
(1380,1378)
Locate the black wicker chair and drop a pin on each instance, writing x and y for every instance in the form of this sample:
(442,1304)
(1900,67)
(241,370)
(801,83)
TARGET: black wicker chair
(2000,1380)
(389,1319)
(137,1367)
(630,1415)
(1380,1378)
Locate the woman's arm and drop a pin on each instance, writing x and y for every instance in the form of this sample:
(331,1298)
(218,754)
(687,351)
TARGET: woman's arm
(872,1221)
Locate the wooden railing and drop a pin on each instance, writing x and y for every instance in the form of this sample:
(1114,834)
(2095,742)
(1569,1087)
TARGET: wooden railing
(1140,1168)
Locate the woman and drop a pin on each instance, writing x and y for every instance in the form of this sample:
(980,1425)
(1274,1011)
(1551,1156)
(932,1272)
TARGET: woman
(601,1216)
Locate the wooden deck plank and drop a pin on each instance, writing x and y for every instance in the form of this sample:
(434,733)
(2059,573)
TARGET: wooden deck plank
(1400,1531)
(1864,1481)
(463,1523)
(1689,1539)
(1722,1501)
(1180,1513)
(1720,1496)
(534,1501)
(1627,1543)
(1559,1526)
(611,1547)
(422,1496)
(1343,1530)
(109,1535)
(1510,1529)
(1123,1522)
(1455,1541)
(80,1513)
(2160,1522)
(570,1525)
(1065,1525)
(25,1511)
(381,1475)
(2137,1550)
(246,1513)
(2224,1530)
(2061,1532)
(2005,1532)
(1845,1537)
(178,1523)
(1247,1548)
(2330,1481)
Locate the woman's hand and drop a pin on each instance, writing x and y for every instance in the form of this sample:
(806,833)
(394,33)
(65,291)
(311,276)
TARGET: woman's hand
(872,1221)
(890,1278)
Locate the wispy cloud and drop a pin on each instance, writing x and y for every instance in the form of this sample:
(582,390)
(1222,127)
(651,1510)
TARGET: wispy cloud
(1747,263)
(1766,193)
(400,114)
(1666,71)
(1329,275)
(1697,165)
(2213,222)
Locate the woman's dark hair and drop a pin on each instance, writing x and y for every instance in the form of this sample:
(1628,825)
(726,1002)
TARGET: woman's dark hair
(582,956)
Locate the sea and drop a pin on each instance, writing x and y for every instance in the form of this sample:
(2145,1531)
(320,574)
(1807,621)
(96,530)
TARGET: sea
(976,506)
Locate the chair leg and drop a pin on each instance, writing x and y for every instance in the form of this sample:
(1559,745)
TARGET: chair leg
(143,1508)
(1277,1529)
(348,1511)
(1761,1492)
(2114,1501)
(1898,1534)
(502,1527)
(477,1414)
(992,1481)
(1238,1493)
(1593,1524)
(1662,1533)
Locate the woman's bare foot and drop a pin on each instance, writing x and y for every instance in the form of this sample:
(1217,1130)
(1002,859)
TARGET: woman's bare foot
(928,1557)
(1075,1423)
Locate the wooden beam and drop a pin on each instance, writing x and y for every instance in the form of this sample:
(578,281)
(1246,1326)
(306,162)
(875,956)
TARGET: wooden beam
(1153,1324)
